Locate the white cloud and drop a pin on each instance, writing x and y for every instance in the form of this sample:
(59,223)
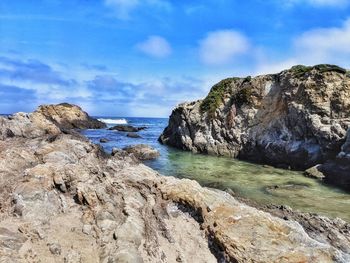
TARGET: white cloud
(323,45)
(155,46)
(123,8)
(220,47)
(317,46)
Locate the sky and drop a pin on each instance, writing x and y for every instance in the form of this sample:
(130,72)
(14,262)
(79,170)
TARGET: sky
(143,57)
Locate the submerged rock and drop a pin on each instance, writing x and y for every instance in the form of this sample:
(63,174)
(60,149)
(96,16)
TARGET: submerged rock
(143,152)
(127,128)
(133,135)
(297,118)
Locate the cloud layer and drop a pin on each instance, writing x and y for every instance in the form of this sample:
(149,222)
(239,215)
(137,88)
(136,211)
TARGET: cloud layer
(155,46)
(222,46)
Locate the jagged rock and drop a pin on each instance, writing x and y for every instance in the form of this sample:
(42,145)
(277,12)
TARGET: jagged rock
(297,118)
(143,152)
(127,128)
(118,210)
(104,140)
(133,135)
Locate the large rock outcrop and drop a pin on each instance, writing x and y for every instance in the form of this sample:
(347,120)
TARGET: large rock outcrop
(47,119)
(297,118)
(62,199)
(69,116)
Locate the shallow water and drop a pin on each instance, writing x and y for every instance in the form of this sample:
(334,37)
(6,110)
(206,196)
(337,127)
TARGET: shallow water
(265,185)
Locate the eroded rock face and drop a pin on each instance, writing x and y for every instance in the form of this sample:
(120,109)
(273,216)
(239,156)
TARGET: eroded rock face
(297,118)
(62,199)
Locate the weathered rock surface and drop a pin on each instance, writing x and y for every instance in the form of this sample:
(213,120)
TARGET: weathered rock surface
(297,118)
(127,128)
(142,152)
(338,171)
(62,199)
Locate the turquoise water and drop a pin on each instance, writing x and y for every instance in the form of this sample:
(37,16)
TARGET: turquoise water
(263,184)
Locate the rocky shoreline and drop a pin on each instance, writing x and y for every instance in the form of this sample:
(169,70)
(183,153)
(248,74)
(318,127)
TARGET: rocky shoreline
(63,199)
(296,119)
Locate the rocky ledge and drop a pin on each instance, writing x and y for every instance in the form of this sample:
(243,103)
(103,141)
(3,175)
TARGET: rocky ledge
(298,118)
(63,199)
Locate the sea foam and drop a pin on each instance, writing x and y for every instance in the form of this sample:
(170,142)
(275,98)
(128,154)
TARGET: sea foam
(114,121)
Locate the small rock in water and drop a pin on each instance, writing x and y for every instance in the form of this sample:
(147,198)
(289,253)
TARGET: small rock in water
(127,128)
(104,140)
(314,172)
(133,135)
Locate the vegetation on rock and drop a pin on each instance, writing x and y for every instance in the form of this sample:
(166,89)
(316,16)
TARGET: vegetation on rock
(301,70)
(243,96)
(215,96)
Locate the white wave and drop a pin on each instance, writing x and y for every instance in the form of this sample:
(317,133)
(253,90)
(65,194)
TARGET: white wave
(114,121)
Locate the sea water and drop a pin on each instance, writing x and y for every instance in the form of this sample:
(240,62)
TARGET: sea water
(262,184)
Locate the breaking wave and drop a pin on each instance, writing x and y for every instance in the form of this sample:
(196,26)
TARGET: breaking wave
(114,121)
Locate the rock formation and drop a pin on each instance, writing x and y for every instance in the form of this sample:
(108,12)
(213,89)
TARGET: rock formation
(297,118)
(127,128)
(62,199)
(69,116)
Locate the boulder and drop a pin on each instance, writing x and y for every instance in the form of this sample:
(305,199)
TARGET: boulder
(315,172)
(133,135)
(104,140)
(143,152)
(127,128)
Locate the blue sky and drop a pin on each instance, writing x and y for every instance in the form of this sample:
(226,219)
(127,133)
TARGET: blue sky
(142,57)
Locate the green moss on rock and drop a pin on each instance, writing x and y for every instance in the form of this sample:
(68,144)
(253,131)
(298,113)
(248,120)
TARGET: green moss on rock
(301,70)
(216,96)
(327,67)
(243,96)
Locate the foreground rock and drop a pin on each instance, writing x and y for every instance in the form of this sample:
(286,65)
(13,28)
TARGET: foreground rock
(127,128)
(142,152)
(297,118)
(62,199)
